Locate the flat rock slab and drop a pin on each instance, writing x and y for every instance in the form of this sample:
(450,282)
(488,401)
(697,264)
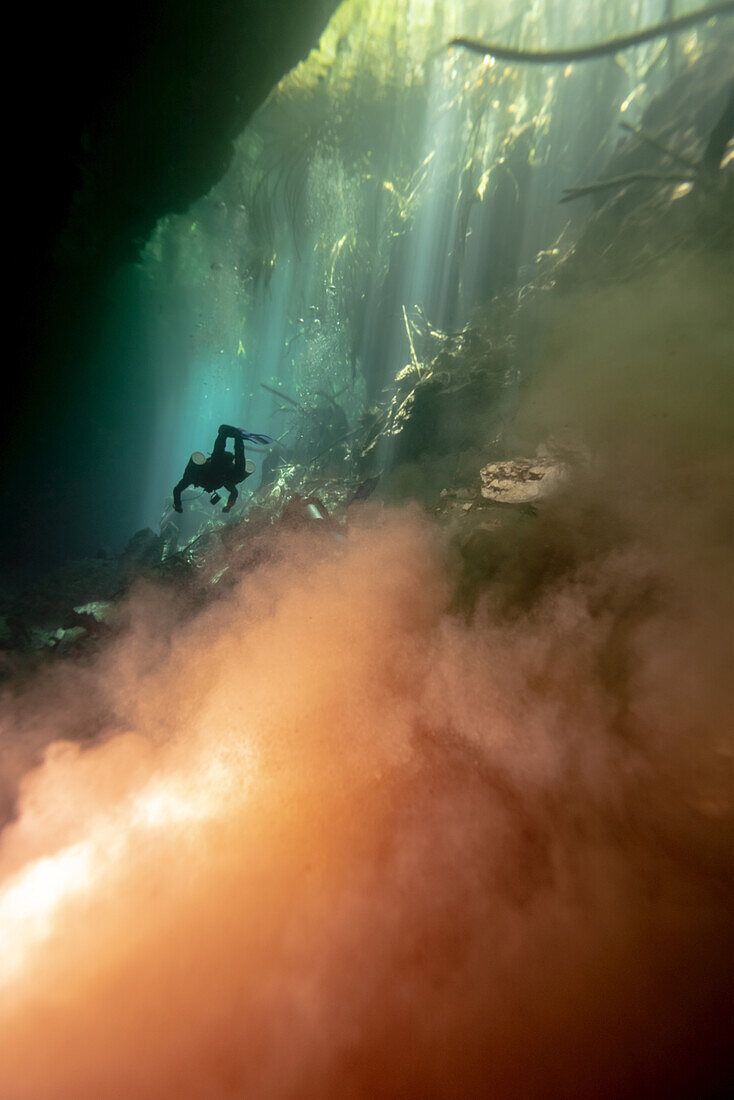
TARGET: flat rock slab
(521,480)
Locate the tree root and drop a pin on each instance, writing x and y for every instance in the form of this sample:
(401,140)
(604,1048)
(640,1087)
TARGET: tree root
(600,49)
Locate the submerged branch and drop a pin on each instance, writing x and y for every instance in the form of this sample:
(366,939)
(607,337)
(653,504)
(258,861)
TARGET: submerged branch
(341,439)
(413,355)
(279,393)
(328,397)
(660,146)
(700,173)
(721,135)
(571,193)
(599,49)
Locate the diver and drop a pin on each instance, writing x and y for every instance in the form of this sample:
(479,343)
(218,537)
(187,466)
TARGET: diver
(221,470)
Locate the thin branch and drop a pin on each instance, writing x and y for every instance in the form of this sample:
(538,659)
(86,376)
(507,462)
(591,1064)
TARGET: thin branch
(413,356)
(686,162)
(600,49)
(721,135)
(279,393)
(336,443)
(571,193)
(323,393)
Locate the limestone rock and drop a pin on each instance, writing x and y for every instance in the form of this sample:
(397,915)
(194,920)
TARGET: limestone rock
(522,480)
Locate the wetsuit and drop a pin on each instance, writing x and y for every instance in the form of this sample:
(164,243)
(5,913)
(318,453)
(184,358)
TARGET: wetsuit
(221,470)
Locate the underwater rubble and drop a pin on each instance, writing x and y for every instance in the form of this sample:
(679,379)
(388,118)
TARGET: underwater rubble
(76,608)
(444,404)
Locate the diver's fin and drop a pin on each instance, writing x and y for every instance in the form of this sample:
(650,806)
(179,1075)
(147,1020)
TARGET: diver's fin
(252,437)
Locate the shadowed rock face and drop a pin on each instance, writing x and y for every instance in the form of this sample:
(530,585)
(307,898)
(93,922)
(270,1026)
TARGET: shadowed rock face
(153,129)
(111,130)
(139,124)
(108,131)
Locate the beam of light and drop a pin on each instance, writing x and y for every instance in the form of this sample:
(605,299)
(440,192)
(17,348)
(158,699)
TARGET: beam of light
(232,299)
(29,903)
(36,896)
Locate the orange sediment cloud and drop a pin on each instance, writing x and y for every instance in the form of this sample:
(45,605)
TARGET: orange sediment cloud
(333,837)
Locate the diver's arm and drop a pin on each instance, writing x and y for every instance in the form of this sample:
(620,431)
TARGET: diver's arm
(183,484)
(233,494)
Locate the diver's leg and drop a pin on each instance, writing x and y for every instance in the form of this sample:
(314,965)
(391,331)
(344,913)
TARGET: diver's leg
(239,459)
(229,430)
(221,443)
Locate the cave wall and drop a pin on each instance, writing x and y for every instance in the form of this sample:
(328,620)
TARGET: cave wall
(121,115)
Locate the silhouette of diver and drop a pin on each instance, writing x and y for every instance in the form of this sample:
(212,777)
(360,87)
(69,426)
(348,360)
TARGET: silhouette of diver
(221,470)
